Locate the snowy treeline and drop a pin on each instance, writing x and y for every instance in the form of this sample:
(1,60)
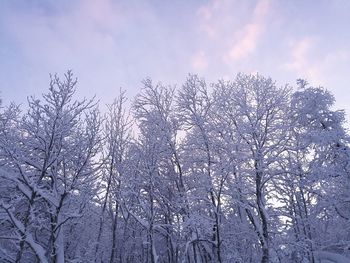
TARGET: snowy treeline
(235,171)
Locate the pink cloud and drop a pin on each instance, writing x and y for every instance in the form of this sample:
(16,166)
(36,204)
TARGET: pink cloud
(314,68)
(262,8)
(299,54)
(234,26)
(216,17)
(199,61)
(301,62)
(245,41)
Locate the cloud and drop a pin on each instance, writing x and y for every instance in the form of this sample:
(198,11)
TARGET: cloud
(99,40)
(112,43)
(301,62)
(299,51)
(306,62)
(56,37)
(199,61)
(245,41)
(262,8)
(103,13)
(234,27)
(217,17)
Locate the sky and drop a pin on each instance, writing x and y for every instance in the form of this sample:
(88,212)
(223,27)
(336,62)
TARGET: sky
(112,44)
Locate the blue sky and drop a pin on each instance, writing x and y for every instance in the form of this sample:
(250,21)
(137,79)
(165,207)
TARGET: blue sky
(111,44)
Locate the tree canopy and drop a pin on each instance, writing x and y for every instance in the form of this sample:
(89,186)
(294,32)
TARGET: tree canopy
(233,171)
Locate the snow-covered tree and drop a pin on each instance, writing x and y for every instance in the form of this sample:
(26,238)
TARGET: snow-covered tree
(161,191)
(49,154)
(316,174)
(117,139)
(234,171)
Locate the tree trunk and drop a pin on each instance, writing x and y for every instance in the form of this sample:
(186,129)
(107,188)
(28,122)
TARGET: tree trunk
(262,214)
(114,234)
